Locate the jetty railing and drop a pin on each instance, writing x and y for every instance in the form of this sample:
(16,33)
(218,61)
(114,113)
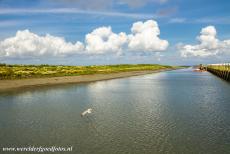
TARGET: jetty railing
(222,70)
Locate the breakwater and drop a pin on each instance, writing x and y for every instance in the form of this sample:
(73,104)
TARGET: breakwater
(221,70)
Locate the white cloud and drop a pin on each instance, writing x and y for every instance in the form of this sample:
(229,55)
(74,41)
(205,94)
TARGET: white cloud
(103,40)
(144,37)
(27,44)
(208,45)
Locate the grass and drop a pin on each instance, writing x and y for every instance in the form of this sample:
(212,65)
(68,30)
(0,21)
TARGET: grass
(220,67)
(38,71)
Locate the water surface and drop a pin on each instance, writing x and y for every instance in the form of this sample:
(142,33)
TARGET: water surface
(169,112)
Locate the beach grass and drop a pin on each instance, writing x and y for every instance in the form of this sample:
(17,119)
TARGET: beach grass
(38,71)
(220,67)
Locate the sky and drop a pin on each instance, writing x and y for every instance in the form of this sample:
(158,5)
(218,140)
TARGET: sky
(89,32)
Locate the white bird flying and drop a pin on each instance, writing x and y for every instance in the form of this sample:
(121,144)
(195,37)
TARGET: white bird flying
(88,111)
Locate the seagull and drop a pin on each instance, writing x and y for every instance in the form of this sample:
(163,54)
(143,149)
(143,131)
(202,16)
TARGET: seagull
(88,111)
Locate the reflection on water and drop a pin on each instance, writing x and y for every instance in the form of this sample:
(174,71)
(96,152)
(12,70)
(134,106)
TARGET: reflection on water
(170,112)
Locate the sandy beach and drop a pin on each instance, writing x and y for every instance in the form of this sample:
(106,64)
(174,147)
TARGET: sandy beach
(7,85)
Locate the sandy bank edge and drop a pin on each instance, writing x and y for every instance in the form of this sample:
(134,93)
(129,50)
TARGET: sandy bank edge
(8,85)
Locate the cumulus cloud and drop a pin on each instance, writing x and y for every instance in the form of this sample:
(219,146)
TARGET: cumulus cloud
(144,37)
(103,40)
(28,44)
(208,45)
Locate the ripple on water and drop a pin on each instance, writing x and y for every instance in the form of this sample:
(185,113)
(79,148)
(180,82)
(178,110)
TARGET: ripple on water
(170,112)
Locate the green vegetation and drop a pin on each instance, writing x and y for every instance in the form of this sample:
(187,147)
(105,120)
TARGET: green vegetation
(220,67)
(221,70)
(37,71)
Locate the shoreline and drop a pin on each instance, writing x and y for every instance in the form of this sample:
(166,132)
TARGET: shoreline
(9,85)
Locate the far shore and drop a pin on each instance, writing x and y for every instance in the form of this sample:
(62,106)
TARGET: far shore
(8,85)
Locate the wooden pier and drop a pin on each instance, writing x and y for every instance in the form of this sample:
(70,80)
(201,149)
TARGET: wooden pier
(220,70)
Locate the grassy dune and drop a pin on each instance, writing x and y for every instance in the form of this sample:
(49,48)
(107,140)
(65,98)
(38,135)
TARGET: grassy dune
(38,71)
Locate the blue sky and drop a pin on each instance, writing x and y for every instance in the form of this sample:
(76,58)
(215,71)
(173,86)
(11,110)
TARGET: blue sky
(179,21)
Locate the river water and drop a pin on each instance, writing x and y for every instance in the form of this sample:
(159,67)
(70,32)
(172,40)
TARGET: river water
(179,112)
